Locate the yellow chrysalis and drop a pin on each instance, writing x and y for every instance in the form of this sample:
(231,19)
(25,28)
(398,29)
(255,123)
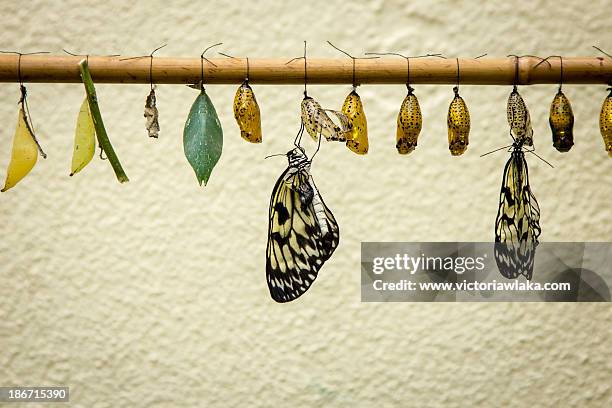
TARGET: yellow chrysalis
(24,154)
(246,112)
(84,139)
(561,122)
(409,124)
(25,147)
(357,138)
(458,121)
(605,123)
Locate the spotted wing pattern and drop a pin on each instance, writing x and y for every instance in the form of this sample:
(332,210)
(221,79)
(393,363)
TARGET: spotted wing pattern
(296,246)
(517,226)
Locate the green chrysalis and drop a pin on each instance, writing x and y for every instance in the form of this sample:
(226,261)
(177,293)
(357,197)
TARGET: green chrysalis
(203,137)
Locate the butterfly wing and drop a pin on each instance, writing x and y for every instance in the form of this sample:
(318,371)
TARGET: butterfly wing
(296,247)
(517,226)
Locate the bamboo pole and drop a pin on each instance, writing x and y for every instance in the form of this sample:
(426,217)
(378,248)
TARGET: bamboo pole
(387,70)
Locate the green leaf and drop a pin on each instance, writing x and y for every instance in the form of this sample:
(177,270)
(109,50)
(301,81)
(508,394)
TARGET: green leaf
(203,137)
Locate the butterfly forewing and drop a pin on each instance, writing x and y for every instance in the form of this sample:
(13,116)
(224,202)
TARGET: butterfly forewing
(517,226)
(296,247)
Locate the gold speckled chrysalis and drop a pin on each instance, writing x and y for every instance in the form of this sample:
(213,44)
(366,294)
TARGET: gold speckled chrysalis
(605,122)
(246,112)
(561,122)
(357,138)
(409,123)
(458,121)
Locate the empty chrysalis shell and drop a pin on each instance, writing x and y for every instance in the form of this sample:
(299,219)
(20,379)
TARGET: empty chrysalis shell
(519,119)
(316,121)
(409,124)
(246,112)
(562,122)
(357,137)
(458,121)
(151,115)
(605,123)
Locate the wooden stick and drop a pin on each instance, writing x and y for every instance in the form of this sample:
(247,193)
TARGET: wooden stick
(387,70)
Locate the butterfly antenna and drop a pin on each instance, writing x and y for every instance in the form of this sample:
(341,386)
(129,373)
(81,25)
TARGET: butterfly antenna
(274,155)
(496,150)
(318,147)
(539,157)
(298,137)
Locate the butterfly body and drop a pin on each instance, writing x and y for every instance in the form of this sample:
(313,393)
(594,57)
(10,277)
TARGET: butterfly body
(302,231)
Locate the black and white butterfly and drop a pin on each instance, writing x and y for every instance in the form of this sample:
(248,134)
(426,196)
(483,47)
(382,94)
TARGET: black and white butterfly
(302,231)
(517,226)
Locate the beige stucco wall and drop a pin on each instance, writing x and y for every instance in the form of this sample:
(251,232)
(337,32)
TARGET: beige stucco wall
(153,293)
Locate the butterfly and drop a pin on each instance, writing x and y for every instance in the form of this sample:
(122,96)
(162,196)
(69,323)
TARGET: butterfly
(517,226)
(302,231)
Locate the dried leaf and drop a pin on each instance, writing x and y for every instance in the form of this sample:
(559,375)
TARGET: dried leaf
(152,115)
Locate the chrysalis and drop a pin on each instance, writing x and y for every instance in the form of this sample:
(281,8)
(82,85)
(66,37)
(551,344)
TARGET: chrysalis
(561,122)
(246,112)
(409,124)
(151,115)
(519,119)
(458,121)
(84,139)
(316,121)
(357,138)
(605,123)
(203,137)
(25,146)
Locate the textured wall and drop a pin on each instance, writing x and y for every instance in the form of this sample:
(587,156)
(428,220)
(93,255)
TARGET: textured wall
(153,293)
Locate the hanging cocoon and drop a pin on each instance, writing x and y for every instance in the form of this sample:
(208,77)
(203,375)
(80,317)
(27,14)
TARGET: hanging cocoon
(357,137)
